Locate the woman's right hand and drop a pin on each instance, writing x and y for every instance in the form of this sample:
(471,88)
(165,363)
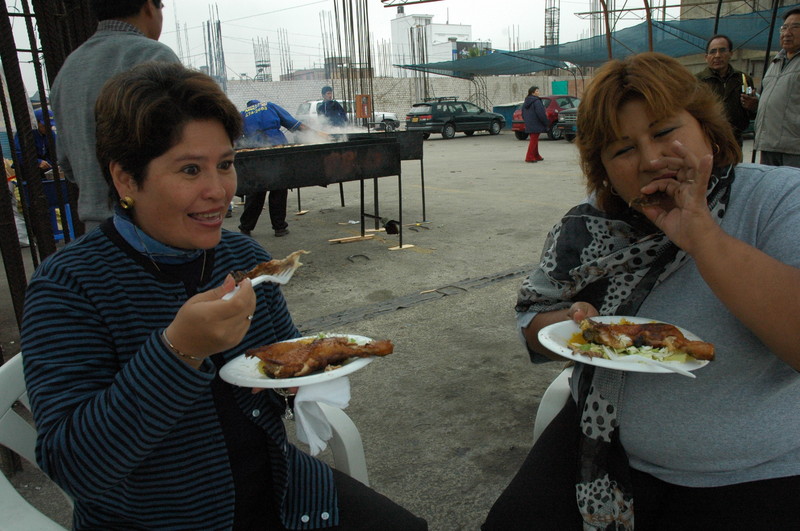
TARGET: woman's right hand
(577,312)
(206,324)
(580,311)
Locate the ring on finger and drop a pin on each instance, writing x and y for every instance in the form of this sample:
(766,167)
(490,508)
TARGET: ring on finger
(689,181)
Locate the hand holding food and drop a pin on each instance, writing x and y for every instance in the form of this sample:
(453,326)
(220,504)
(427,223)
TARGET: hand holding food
(581,310)
(678,205)
(273,268)
(206,324)
(749,101)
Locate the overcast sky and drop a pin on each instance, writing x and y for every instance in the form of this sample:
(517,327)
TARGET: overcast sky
(298,22)
(508,24)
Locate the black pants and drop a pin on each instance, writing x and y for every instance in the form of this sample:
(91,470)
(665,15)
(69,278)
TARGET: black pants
(363,509)
(360,507)
(254,203)
(542,494)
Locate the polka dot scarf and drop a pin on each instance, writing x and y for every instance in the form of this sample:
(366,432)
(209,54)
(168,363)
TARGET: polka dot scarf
(612,263)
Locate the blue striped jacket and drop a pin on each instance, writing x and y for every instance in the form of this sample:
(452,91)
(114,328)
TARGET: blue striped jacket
(126,428)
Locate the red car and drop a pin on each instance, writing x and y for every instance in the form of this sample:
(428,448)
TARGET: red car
(552,106)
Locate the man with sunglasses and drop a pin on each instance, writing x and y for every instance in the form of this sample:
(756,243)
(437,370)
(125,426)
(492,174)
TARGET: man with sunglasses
(728,84)
(778,118)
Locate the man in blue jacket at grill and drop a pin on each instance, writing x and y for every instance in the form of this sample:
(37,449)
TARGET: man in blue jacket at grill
(262,127)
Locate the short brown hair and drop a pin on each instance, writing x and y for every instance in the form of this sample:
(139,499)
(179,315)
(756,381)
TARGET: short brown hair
(141,113)
(666,87)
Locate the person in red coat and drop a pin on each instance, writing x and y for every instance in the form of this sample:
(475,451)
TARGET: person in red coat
(535,123)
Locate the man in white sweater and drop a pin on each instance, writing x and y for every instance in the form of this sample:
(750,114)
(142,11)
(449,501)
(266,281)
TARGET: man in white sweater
(777,126)
(126,35)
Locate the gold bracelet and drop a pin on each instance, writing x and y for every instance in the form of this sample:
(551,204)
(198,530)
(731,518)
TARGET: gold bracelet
(176,351)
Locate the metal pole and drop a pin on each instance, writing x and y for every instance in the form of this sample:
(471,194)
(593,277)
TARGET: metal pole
(422,183)
(376,206)
(400,203)
(767,54)
(363,217)
(769,39)
(608,28)
(649,25)
(40,221)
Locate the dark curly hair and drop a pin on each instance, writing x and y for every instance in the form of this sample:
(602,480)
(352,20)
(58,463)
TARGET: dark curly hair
(666,87)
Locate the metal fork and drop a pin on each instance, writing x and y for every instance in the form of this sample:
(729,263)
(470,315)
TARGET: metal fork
(663,364)
(281,278)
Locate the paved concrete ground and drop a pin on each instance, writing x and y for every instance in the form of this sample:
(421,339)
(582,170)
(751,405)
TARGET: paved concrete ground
(447,419)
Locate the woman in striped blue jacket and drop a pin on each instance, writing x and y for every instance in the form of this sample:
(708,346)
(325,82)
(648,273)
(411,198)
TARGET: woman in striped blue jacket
(124,331)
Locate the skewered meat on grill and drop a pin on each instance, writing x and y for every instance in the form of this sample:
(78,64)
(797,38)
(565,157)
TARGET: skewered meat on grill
(298,358)
(657,335)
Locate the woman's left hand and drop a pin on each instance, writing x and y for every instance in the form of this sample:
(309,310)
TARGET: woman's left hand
(687,220)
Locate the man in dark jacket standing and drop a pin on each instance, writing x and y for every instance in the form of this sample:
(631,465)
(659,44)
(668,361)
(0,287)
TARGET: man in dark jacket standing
(728,83)
(331,109)
(535,123)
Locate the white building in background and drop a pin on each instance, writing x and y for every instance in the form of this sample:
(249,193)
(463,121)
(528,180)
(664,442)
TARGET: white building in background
(417,39)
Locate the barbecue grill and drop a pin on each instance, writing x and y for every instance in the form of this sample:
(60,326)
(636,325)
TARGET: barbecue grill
(299,165)
(352,157)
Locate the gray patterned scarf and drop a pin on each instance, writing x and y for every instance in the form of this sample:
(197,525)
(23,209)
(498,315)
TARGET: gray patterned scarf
(612,263)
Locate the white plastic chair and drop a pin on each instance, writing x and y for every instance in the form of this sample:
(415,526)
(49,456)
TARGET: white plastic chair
(17,435)
(346,445)
(552,402)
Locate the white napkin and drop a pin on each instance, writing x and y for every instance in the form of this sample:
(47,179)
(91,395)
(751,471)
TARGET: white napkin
(312,426)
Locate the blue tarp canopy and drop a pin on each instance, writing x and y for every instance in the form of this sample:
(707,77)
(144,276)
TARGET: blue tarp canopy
(493,64)
(675,38)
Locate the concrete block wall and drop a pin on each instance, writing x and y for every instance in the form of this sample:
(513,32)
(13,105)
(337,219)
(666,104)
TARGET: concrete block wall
(395,94)
(398,94)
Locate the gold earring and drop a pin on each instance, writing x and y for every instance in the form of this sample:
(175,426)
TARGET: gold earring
(610,188)
(127,202)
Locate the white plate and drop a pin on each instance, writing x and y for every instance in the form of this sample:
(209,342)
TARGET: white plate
(556,338)
(243,371)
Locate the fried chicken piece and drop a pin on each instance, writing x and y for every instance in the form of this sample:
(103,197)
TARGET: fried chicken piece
(648,199)
(657,335)
(299,358)
(273,267)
